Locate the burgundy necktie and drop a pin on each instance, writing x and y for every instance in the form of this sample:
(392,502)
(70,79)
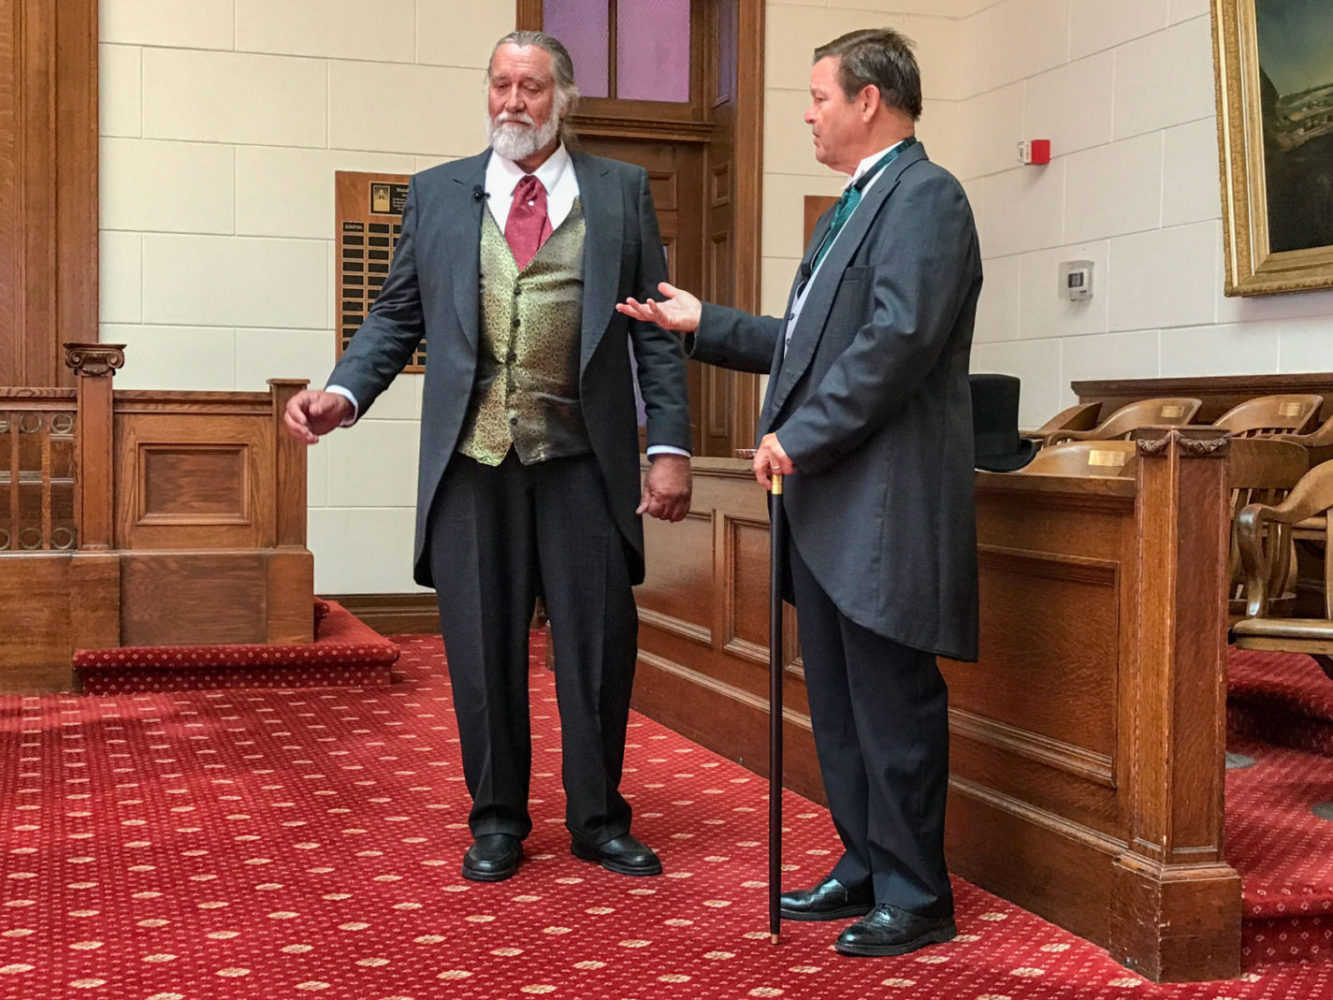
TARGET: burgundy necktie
(528,225)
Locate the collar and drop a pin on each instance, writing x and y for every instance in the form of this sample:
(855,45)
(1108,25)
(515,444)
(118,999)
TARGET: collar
(504,174)
(866,164)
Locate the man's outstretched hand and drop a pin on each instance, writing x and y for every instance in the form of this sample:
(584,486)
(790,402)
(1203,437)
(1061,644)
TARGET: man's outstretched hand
(312,413)
(678,310)
(666,488)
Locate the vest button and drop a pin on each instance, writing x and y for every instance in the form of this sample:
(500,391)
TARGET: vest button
(515,323)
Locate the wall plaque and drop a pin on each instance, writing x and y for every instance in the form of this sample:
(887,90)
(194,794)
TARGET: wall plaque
(369,220)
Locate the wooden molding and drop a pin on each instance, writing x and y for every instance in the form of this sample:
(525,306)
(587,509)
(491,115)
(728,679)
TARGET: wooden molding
(48,186)
(394,614)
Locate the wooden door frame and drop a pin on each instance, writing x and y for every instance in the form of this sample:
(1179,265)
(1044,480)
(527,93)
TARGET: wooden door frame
(748,138)
(48,186)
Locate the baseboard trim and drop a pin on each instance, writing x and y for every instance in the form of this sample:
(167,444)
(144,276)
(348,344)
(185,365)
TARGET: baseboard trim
(394,614)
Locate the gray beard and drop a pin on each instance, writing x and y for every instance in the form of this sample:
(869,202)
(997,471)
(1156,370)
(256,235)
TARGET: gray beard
(518,142)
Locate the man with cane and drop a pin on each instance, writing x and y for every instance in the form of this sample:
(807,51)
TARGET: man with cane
(868,418)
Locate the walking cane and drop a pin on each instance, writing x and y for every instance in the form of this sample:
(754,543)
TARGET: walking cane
(777,547)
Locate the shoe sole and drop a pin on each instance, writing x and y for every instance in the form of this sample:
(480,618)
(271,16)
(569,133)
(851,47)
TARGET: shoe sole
(937,936)
(840,914)
(611,865)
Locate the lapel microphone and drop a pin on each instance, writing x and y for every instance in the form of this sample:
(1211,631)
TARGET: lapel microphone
(479,193)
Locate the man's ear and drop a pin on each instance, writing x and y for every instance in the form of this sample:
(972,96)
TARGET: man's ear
(869,101)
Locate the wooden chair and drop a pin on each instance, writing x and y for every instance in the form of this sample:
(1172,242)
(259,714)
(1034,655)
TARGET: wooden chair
(1084,458)
(1264,471)
(1260,530)
(1267,416)
(1079,417)
(1172,411)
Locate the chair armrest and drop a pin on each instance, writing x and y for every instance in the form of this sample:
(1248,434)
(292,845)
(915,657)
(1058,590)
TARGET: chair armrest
(1311,496)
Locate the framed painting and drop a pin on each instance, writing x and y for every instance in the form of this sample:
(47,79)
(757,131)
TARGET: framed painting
(1273,61)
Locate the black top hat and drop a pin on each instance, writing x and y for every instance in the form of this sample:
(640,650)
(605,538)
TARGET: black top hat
(995,424)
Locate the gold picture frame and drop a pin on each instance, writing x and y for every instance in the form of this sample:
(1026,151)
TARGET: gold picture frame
(1272,143)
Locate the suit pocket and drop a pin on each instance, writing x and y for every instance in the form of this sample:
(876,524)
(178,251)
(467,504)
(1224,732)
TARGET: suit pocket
(863,272)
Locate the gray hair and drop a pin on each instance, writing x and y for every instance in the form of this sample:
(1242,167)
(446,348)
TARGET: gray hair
(878,57)
(562,69)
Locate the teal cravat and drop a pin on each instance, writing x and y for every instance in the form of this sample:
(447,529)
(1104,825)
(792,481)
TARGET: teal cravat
(851,197)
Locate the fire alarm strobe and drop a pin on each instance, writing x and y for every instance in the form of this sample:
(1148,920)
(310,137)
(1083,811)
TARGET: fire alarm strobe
(1034,151)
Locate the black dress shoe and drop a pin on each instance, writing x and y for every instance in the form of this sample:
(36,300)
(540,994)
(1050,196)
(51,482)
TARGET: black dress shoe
(887,930)
(493,857)
(829,900)
(623,855)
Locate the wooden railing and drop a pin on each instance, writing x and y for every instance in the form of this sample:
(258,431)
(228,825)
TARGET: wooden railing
(37,466)
(145,518)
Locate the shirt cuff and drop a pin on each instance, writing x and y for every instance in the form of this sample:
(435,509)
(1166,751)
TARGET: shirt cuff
(657,449)
(347,395)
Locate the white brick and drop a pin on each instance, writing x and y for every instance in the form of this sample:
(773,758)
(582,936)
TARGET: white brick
(939,55)
(1046,313)
(199,359)
(1164,79)
(1236,349)
(234,97)
(373,464)
(1113,355)
(340,29)
(990,126)
(1305,343)
(194,24)
(265,354)
(362,551)
(317,475)
(776,275)
(1024,209)
(784,210)
(1165,277)
(997,309)
(1014,40)
(119,91)
(450,33)
(791,35)
(1190,187)
(151,185)
(1036,363)
(1183,10)
(233,281)
(406,109)
(1115,189)
(120,277)
(1070,105)
(1103,24)
(939,132)
(789,147)
(290,192)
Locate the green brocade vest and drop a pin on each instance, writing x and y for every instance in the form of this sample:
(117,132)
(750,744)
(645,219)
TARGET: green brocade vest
(526,394)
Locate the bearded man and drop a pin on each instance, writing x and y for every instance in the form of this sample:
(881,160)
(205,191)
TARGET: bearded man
(510,264)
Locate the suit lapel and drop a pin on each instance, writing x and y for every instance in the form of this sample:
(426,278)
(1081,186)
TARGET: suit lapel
(462,233)
(603,233)
(824,285)
(768,409)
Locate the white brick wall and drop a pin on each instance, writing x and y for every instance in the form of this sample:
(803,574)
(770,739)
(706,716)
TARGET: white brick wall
(223,122)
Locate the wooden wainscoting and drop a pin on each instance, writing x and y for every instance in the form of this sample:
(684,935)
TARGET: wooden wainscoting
(1219,393)
(1087,742)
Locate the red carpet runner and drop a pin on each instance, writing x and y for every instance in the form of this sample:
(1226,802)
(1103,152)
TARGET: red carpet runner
(263,845)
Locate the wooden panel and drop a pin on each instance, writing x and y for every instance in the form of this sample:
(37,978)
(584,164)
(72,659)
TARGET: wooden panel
(194,484)
(35,644)
(815,206)
(193,597)
(679,598)
(1218,393)
(194,481)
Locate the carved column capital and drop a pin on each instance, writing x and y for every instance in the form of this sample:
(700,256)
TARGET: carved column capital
(94,360)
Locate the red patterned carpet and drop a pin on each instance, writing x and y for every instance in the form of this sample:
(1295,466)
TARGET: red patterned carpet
(262,845)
